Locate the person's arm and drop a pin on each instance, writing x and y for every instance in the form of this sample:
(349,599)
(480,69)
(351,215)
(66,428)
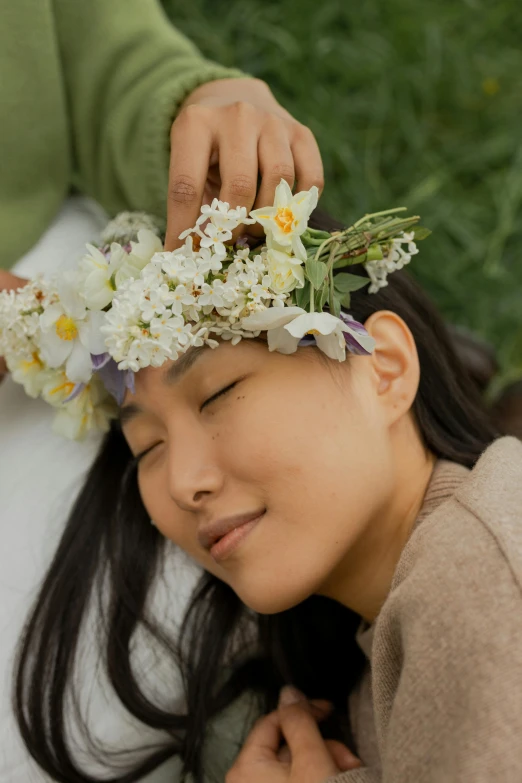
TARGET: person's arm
(126,72)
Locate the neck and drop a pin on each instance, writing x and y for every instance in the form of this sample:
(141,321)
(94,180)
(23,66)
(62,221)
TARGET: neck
(362,580)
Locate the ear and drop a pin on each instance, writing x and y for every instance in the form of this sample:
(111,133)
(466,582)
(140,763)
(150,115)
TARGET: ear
(395,363)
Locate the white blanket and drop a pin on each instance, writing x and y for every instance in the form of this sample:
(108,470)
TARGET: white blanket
(40,474)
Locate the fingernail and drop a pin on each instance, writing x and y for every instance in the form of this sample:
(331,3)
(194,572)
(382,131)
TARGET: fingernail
(322,709)
(290,695)
(350,761)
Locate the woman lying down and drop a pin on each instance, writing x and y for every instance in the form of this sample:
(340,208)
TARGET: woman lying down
(296,422)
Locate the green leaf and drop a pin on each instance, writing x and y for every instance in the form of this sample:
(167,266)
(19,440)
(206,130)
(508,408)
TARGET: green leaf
(323,297)
(316,272)
(313,237)
(302,296)
(316,233)
(346,299)
(335,306)
(421,233)
(350,261)
(344,282)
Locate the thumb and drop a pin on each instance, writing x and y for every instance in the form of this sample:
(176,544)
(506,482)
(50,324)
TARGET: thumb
(8,281)
(343,758)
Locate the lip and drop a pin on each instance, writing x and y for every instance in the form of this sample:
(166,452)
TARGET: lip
(219,536)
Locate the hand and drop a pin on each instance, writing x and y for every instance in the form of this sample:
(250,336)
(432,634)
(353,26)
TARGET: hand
(226,133)
(307,758)
(7,282)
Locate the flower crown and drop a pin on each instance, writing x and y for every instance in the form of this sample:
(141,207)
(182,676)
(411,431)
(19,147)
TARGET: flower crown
(77,340)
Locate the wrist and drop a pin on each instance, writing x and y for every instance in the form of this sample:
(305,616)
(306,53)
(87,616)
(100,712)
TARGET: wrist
(238,89)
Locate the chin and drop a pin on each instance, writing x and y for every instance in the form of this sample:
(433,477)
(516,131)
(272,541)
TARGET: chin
(264,601)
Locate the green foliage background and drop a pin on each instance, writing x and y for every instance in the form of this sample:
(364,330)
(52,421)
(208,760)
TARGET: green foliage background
(414,104)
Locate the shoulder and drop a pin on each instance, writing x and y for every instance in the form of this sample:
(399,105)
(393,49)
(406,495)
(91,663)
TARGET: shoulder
(447,650)
(463,564)
(492,494)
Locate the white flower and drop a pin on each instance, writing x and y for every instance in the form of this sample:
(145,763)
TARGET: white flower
(261,290)
(288,218)
(20,320)
(29,372)
(287,326)
(96,281)
(248,278)
(286,272)
(180,269)
(202,337)
(144,352)
(217,294)
(257,263)
(154,301)
(206,262)
(214,238)
(57,387)
(102,274)
(183,298)
(147,245)
(126,226)
(222,216)
(182,333)
(91,409)
(70,333)
(396,258)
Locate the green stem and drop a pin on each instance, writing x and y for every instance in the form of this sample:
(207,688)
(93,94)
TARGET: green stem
(323,245)
(330,264)
(378,214)
(312,298)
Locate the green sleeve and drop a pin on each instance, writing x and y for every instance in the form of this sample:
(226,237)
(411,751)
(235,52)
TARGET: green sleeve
(126,70)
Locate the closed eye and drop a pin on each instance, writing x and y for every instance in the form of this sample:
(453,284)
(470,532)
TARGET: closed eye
(144,453)
(219,394)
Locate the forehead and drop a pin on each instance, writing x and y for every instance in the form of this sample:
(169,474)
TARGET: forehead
(168,374)
(173,372)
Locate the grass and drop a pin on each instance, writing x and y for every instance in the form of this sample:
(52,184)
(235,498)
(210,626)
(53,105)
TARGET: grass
(415,104)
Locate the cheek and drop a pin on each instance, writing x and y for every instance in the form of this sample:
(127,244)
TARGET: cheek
(173,523)
(170,520)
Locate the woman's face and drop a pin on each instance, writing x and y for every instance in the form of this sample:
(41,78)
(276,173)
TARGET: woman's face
(294,447)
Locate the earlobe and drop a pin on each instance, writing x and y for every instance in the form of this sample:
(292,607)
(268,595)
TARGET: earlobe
(395,362)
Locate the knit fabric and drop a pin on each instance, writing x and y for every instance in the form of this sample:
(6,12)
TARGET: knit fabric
(89,91)
(440,700)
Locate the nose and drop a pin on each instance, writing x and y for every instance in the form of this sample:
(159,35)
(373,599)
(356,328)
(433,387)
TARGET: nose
(194,475)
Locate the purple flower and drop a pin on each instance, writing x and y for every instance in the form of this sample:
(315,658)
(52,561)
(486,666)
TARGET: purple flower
(78,388)
(357,337)
(116,381)
(100,360)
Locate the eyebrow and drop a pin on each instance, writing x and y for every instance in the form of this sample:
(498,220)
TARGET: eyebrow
(183,364)
(173,375)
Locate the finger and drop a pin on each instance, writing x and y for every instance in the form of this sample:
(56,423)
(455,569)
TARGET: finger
(289,694)
(8,281)
(276,162)
(343,758)
(191,147)
(307,160)
(238,164)
(320,708)
(284,755)
(263,742)
(306,744)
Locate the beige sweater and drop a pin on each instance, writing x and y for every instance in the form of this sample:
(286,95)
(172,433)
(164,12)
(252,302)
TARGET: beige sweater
(440,700)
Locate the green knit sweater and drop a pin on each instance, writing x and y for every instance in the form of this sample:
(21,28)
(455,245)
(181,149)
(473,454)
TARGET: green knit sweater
(88,92)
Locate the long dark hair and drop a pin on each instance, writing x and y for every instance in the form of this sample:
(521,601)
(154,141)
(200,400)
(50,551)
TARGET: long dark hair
(109,549)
